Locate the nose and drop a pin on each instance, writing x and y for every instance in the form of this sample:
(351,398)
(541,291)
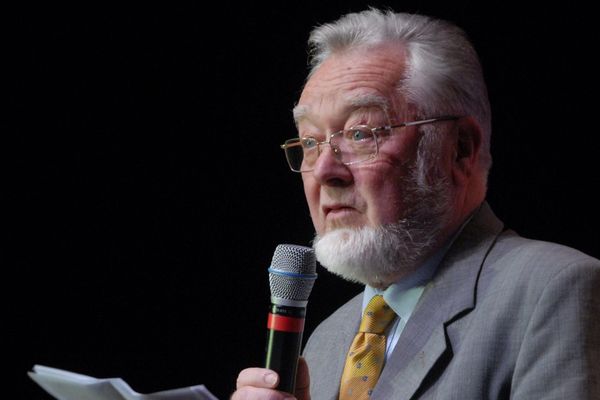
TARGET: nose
(329,170)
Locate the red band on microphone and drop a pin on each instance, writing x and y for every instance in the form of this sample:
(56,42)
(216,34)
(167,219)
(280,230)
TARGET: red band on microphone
(285,324)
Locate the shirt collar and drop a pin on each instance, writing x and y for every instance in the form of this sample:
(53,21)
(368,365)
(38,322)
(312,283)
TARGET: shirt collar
(403,295)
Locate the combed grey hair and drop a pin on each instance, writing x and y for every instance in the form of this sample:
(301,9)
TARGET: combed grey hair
(443,74)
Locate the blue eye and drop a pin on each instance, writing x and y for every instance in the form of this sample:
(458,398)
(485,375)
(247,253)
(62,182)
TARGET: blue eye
(358,134)
(308,142)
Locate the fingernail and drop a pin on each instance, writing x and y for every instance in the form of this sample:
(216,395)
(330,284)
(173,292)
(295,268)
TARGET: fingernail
(271,379)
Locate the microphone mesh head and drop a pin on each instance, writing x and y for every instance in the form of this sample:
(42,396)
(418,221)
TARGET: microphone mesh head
(292,273)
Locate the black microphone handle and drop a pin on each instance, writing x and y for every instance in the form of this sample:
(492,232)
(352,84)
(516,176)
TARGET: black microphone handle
(285,328)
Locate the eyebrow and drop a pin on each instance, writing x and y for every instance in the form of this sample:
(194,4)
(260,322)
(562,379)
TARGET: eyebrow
(372,100)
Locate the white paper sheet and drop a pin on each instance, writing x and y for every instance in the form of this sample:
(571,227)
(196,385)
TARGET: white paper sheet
(66,385)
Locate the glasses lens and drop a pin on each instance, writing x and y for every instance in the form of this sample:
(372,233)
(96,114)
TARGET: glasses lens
(294,154)
(350,146)
(356,144)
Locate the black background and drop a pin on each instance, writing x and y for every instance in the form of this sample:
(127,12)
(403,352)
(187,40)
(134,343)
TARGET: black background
(145,191)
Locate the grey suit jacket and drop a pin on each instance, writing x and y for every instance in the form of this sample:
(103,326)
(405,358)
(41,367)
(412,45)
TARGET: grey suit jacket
(503,318)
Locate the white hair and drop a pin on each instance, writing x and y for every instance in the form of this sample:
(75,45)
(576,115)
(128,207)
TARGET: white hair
(443,75)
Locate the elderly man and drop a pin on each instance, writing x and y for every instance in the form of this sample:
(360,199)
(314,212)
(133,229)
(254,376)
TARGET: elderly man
(393,147)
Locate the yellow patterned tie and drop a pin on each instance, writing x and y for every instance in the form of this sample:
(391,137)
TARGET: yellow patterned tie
(367,353)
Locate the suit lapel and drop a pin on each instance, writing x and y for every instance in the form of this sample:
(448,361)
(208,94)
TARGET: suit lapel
(449,296)
(344,337)
(338,334)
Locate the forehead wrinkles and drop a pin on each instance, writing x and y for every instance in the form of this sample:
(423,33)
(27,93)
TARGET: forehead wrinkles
(338,79)
(354,79)
(353,102)
(382,65)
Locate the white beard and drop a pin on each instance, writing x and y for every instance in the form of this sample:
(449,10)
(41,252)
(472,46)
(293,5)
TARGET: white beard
(382,255)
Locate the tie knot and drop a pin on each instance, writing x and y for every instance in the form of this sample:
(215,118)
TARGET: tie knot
(377,316)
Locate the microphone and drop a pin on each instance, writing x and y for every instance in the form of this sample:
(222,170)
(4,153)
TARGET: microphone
(291,278)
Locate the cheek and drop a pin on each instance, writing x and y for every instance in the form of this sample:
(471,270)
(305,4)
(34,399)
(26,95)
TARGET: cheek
(384,206)
(384,194)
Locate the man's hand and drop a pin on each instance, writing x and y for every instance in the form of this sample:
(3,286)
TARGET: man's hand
(261,384)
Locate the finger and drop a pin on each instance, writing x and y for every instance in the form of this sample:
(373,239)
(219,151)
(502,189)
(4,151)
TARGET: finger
(257,377)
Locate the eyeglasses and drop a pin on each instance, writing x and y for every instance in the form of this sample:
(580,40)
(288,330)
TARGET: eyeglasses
(354,145)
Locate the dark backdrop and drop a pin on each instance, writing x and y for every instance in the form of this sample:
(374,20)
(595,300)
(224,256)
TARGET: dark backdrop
(146,192)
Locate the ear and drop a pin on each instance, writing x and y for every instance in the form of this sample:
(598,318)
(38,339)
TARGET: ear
(466,150)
